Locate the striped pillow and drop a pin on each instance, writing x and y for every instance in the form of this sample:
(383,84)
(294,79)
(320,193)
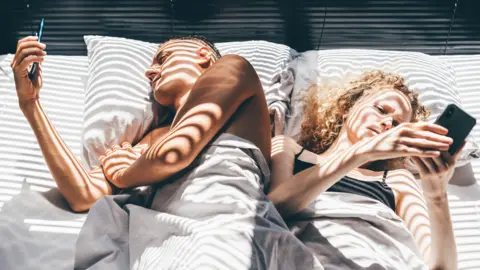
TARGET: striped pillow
(432,78)
(117,106)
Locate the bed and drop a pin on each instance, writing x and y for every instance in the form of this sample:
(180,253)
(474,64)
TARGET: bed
(38,229)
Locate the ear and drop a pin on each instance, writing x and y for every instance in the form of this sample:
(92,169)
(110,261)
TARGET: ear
(205,57)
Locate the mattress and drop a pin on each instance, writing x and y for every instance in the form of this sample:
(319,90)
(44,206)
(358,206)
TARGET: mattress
(41,231)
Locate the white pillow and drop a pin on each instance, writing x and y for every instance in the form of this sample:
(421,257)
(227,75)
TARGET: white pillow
(117,106)
(433,79)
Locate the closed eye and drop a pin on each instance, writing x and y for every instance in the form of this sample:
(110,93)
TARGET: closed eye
(380,109)
(162,57)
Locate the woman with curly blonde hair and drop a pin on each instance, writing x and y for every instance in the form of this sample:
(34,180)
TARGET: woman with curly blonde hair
(343,189)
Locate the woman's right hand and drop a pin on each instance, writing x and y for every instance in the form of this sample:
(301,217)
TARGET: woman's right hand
(29,50)
(419,139)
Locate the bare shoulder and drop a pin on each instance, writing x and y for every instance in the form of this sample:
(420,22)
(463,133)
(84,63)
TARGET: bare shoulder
(401,175)
(403,183)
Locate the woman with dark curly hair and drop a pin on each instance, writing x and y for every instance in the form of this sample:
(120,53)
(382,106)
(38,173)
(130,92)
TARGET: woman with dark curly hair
(343,187)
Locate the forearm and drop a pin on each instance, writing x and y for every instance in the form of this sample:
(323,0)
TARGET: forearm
(169,154)
(443,251)
(79,187)
(215,97)
(298,192)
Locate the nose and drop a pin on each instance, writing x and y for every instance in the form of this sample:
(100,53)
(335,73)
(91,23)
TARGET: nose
(387,123)
(151,73)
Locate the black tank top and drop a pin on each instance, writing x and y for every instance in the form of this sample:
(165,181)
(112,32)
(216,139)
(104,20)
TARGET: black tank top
(376,190)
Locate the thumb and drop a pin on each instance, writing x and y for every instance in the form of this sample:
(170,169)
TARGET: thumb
(37,79)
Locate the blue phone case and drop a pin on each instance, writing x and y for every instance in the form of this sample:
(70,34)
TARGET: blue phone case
(32,71)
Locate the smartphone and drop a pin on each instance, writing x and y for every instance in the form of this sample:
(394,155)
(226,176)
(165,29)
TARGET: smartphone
(459,124)
(32,71)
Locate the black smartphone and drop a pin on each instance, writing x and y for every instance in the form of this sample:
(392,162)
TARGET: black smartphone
(32,71)
(459,124)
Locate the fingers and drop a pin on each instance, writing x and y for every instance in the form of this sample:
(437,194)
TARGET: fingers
(419,163)
(440,163)
(26,47)
(30,44)
(26,39)
(431,127)
(108,152)
(424,143)
(29,60)
(29,51)
(413,151)
(431,136)
(429,163)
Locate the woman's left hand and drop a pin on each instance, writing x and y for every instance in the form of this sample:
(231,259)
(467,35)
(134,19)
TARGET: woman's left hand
(119,158)
(436,172)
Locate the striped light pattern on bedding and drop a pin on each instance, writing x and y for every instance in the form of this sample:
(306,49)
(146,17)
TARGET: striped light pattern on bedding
(465,201)
(117,107)
(41,232)
(116,99)
(62,95)
(22,164)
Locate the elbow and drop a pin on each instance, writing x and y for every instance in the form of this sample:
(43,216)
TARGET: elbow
(450,265)
(442,267)
(284,206)
(83,203)
(78,207)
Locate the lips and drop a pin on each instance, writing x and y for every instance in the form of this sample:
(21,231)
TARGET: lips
(374,130)
(155,81)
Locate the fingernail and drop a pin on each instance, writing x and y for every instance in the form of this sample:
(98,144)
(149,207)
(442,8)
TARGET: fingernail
(43,45)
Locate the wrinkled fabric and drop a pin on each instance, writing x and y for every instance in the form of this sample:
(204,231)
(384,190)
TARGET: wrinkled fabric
(349,231)
(214,215)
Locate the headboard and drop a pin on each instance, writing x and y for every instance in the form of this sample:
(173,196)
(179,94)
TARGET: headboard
(415,25)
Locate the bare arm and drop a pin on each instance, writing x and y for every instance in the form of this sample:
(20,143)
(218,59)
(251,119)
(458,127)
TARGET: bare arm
(291,193)
(79,187)
(214,98)
(428,220)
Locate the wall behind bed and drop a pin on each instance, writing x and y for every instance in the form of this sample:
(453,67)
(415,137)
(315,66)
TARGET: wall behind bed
(416,25)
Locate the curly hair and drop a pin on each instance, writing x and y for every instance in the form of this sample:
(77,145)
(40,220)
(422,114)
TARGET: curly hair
(324,117)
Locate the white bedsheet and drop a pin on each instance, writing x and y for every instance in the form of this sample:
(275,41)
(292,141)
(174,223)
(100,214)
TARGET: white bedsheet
(37,230)
(41,234)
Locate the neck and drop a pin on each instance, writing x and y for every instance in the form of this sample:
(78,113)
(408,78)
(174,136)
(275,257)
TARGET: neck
(341,143)
(180,101)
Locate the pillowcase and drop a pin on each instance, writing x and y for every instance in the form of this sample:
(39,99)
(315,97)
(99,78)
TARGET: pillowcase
(117,105)
(433,79)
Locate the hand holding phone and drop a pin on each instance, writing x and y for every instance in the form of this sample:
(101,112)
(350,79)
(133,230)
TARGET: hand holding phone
(31,73)
(26,68)
(459,124)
